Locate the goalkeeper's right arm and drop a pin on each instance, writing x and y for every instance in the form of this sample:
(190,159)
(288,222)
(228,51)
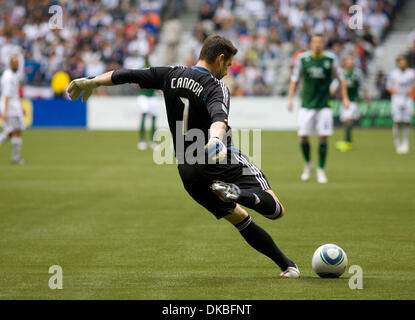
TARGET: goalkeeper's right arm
(149,78)
(215,148)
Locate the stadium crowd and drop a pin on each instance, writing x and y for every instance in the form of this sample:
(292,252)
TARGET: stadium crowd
(102,35)
(269,32)
(95,36)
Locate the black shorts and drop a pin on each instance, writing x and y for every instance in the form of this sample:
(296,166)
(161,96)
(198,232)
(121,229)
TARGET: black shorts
(197,180)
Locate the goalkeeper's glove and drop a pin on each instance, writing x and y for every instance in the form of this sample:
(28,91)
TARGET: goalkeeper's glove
(79,86)
(215,149)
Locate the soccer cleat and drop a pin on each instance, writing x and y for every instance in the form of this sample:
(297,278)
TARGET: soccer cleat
(404,148)
(141,145)
(339,145)
(400,149)
(19,161)
(290,272)
(343,146)
(348,146)
(153,145)
(321,176)
(305,176)
(227,192)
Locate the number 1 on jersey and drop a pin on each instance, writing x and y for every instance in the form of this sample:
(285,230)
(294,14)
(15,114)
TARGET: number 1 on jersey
(185,113)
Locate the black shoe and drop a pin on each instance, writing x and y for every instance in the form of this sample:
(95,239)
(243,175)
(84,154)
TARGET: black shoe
(227,192)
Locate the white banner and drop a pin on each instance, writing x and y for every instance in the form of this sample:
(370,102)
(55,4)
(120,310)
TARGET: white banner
(123,113)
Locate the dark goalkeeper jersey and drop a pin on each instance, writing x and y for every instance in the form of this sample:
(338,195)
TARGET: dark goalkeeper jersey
(194,99)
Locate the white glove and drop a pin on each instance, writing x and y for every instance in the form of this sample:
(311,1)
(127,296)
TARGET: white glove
(215,149)
(79,86)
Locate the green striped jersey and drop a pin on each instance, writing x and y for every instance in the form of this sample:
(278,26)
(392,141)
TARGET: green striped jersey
(317,75)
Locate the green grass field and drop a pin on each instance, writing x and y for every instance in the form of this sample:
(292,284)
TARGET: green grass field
(122,227)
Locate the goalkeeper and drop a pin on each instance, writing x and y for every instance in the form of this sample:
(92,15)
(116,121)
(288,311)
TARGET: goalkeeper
(213,172)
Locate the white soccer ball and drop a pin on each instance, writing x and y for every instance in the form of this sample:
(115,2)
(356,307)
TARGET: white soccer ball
(329,261)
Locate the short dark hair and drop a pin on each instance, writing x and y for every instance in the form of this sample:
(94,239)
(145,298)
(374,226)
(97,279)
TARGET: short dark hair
(402,56)
(216,45)
(320,35)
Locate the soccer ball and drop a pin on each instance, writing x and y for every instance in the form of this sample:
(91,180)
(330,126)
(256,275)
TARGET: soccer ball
(329,261)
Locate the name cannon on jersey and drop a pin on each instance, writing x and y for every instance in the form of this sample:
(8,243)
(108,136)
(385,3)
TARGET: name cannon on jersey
(186,83)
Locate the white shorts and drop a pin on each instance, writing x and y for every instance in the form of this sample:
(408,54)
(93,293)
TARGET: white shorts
(352,112)
(312,121)
(402,110)
(13,124)
(149,105)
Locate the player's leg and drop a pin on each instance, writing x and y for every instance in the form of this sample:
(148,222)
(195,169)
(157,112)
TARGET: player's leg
(250,189)
(346,144)
(142,145)
(153,127)
(264,202)
(350,114)
(406,135)
(16,142)
(324,130)
(153,112)
(7,131)
(348,130)
(198,188)
(397,117)
(306,119)
(306,150)
(13,128)
(353,117)
(152,143)
(261,241)
(143,103)
(4,136)
(322,154)
(397,136)
(407,119)
(340,145)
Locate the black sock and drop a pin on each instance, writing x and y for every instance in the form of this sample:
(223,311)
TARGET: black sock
(153,127)
(305,148)
(322,154)
(348,133)
(142,132)
(260,240)
(260,201)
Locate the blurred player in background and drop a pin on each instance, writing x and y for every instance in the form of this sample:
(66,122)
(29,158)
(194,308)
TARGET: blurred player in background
(149,106)
(400,84)
(318,68)
(12,111)
(355,83)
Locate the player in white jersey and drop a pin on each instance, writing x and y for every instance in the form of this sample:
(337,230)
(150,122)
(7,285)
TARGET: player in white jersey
(11,110)
(400,84)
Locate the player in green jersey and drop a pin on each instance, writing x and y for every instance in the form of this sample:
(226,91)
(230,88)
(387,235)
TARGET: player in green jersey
(355,84)
(318,68)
